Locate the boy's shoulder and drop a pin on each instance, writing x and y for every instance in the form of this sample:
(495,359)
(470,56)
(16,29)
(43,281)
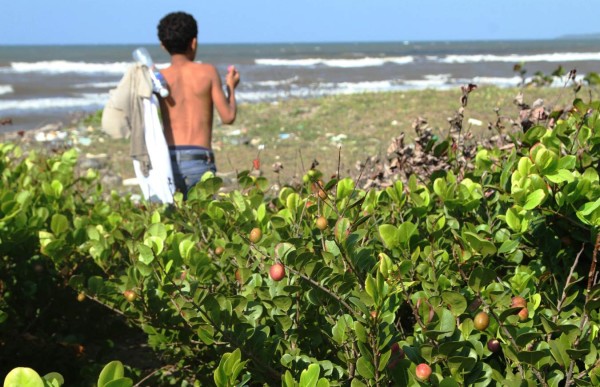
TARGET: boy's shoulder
(205,68)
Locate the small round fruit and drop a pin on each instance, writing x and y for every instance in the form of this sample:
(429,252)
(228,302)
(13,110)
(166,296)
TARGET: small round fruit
(423,372)
(255,235)
(481,321)
(238,276)
(81,297)
(523,314)
(493,345)
(396,350)
(321,223)
(373,314)
(322,194)
(219,250)
(130,295)
(277,272)
(518,302)
(314,174)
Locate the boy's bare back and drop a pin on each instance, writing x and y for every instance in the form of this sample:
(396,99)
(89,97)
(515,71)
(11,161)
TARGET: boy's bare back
(195,89)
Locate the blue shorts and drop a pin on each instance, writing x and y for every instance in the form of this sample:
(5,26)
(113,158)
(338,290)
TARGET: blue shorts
(189,163)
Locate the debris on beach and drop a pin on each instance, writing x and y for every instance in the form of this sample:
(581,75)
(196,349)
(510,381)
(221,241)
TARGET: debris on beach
(237,137)
(338,139)
(428,155)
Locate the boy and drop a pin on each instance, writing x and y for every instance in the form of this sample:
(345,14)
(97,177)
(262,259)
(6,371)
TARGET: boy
(187,113)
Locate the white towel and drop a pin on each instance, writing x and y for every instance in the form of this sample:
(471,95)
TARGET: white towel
(159,184)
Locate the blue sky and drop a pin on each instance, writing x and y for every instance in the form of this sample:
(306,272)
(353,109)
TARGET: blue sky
(260,21)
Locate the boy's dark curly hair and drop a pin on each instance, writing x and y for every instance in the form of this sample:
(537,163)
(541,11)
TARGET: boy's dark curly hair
(176,31)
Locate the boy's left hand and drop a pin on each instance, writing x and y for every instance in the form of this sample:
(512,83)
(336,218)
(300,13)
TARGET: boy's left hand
(233,77)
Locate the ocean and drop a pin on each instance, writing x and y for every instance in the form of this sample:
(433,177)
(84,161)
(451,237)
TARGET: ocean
(42,85)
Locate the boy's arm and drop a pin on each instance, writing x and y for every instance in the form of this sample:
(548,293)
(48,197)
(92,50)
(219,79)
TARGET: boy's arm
(225,102)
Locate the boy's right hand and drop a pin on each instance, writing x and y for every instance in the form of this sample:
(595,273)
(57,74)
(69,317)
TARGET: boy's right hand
(233,77)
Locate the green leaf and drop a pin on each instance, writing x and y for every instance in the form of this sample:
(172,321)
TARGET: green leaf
(185,248)
(357,383)
(121,382)
(534,199)
(440,187)
(455,301)
(206,334)
(157,230)
(558,348)
(112,371)
(371,287)
(561,176)
(483,246)
(533,357)
(389,235)
(288,380)
(588,208)
(59,224)
(449,382)
(155,243)
(282,302)
(405,231)
(344,188)
(23,377)
(461,364)
(513,219)
(555,377)
(481,277)
(508,246)
(55,379)
(310,376)
(341,229)
(365,368)
(146,254)
(449,347)
(323,383)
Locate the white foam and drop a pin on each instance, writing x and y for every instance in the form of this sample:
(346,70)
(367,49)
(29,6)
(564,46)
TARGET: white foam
(287,81)
(6,89)
(97,85)
(321,89)
(40,104)
(342,63)
(430,81)
(497,81)
(62,67)
(516,58)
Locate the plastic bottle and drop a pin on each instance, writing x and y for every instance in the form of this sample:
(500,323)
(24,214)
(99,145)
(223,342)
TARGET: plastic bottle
(159,84)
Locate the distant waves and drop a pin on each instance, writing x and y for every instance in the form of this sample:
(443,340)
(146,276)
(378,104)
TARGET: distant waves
(374,62)
(60,81)
(63,67)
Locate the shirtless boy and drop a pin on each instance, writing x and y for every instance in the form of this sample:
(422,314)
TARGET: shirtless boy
(195,89)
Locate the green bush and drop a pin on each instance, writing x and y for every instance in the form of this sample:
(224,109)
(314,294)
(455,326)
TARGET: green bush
(396,279)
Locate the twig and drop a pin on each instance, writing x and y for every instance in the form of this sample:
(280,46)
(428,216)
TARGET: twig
(584,317)
(151,375)
(592,274)
(564,293)
(321,287)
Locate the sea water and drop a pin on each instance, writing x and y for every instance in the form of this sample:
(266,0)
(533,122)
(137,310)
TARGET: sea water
(48,84)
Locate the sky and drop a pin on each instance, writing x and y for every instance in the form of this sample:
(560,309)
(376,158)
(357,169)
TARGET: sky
(288,21)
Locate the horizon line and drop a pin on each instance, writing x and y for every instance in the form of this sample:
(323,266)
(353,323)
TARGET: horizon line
(403,41)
